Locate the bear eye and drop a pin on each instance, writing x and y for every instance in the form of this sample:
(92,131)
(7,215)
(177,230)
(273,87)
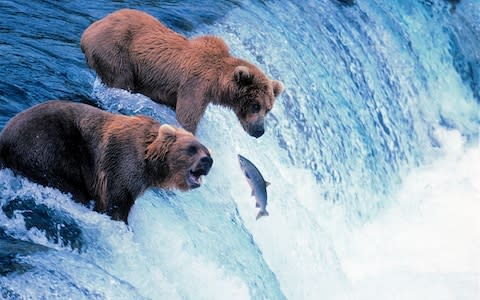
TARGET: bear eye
(192,150)
(255,107)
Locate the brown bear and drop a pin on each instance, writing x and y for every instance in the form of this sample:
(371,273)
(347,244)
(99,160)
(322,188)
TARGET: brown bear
(132,50)
(96,155)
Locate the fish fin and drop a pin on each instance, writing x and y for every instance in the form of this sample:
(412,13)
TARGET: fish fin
(256,204)
(253,193)
(267,183)
(261,214)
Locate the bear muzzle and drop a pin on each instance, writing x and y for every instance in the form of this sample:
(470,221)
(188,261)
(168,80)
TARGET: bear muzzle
(199,169)
(256,129)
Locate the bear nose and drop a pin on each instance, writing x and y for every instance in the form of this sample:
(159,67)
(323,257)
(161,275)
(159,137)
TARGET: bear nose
(258,131)
(206,162)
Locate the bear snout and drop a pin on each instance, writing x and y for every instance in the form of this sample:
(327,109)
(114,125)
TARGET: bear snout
(201,168)
(259,131)
(206,163)
(256,130)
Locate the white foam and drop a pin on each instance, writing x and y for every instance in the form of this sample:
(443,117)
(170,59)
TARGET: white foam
(169,250)
(427,244)
(122,101)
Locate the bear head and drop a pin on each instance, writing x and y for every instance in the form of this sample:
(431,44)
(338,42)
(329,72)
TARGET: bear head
(254,97)
(179,158)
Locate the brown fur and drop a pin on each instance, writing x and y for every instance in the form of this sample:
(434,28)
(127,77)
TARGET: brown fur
(96,155)
(130,49)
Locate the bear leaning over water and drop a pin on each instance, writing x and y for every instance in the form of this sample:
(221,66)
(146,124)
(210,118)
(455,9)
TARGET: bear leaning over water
(132,50)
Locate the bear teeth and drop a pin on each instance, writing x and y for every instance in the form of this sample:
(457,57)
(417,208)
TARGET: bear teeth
(199,172)
(195,178)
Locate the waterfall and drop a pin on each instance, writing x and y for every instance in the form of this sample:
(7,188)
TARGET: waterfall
(372,153)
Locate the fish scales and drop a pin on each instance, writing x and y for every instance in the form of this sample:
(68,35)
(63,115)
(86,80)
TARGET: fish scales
(257,183)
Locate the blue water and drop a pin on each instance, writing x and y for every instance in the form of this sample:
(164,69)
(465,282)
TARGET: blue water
(372,152)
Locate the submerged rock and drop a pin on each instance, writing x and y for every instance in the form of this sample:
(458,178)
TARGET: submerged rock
(57,226)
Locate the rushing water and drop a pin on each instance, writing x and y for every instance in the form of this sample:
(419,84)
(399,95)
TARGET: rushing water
(372,153)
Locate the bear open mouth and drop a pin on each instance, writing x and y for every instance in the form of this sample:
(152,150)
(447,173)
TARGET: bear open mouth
(194,177)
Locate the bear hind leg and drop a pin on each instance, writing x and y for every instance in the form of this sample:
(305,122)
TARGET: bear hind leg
(114,69)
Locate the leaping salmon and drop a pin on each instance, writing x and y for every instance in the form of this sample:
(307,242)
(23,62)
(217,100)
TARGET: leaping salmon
(257,184)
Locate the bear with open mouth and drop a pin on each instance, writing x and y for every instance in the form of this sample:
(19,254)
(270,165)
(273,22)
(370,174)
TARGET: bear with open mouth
(96,155)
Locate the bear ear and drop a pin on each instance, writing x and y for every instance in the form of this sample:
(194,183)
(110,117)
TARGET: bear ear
(277,88)
(159,148)
(242,75)
(167,132)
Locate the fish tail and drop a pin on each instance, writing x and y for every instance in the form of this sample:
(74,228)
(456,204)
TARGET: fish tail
(262,213)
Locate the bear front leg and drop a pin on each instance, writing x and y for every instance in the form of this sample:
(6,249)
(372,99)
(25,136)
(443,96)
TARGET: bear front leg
(120,216)
(119,205)
(115,201)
